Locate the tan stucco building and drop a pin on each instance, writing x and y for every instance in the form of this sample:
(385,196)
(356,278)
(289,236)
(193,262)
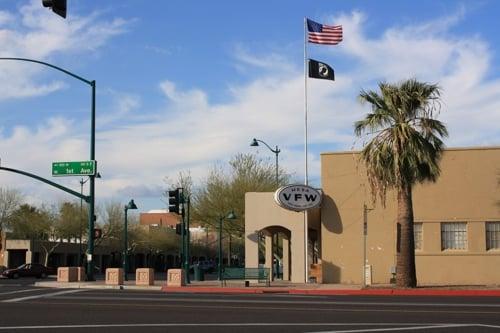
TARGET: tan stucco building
(457,224)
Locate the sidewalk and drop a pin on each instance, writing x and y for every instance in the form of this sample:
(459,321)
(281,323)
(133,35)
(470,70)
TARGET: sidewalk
(282,287)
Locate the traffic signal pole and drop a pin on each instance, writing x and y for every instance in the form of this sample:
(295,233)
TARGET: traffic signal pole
(183,245)
(175,200)
(188,255)
(92,217)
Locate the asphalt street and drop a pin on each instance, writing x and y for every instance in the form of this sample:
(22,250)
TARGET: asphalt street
(25,308)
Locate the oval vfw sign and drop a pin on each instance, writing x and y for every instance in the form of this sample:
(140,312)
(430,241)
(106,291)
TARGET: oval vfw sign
(298,197)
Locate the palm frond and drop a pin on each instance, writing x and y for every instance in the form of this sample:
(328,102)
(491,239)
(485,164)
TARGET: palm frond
(407,140)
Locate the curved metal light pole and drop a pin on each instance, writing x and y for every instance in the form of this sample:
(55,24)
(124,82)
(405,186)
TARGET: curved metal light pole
(130,205)
(82,182)
(92,84)
(230,216)
(255,143)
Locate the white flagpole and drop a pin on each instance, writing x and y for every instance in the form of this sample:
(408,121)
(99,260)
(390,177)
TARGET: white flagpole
(306,180)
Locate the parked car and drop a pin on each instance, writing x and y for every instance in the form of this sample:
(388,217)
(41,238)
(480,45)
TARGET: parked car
(30,270)
(2,269)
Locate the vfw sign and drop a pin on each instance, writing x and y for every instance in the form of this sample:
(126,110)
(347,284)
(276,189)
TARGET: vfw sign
(298,197)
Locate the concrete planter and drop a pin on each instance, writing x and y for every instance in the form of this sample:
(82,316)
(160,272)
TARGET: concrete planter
(175,277)
(67,274)
(114,276)
(144,277)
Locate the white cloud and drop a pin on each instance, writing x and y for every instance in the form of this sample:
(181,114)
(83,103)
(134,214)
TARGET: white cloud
(38,34)
(5,17)
(430,51)
(123,105)
(194,98)
(274,62)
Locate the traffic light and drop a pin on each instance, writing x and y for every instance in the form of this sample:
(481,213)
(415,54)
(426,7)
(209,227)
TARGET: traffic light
(58,6)
(174,201)
(178,228)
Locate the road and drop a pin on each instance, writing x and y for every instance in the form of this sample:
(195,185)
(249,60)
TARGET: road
(25,308)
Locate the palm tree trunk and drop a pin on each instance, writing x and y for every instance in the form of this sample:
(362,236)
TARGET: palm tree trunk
(405,267)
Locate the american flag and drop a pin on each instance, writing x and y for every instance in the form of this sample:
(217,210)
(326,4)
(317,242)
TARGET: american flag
(324,34)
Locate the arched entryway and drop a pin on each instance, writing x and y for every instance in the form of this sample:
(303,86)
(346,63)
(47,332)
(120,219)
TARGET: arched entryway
(274,251)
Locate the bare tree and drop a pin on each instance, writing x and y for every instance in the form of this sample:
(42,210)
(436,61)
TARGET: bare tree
(184,181)
(112,223)
(10,199)
(224,191)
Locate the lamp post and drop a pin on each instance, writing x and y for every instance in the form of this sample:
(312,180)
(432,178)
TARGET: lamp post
(130,205)
(91,198)
(82,182)
(230,216)
(255,143)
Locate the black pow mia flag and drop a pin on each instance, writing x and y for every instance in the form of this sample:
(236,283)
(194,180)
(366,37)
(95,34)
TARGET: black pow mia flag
(320,70)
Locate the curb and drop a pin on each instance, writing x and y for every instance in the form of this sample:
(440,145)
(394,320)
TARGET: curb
(282,290)
(332,292)
(401,292)
(77,285)
(224,290)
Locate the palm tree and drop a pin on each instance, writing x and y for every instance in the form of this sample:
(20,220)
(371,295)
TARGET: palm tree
(405,148)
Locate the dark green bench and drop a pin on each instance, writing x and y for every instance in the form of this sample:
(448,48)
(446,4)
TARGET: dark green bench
(240,273)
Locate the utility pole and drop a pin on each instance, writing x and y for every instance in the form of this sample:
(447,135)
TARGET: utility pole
(365,233)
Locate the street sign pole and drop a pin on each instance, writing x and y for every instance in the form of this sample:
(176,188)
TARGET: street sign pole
(90,242)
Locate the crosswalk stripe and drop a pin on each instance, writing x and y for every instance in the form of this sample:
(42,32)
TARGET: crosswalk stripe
(20,299)
(20,291)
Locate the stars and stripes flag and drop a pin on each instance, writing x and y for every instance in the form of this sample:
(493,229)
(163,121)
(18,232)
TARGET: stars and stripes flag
(323,34)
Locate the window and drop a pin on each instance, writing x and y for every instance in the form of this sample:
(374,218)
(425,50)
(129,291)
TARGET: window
(417,235)
(454,236)
(492,235)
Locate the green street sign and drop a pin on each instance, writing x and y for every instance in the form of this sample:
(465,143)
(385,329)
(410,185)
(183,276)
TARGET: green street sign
(80,168)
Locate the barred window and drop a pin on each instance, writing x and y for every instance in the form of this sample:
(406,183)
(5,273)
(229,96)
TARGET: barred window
(454,236)
(417,235)
(492,235)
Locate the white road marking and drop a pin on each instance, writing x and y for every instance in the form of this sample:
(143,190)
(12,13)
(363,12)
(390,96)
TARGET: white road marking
(20,291)
(399,328)
(490,326)
(434,325)
(406,326)
(12,300)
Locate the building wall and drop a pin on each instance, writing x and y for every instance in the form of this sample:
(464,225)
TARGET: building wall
(2,249)
(160,219)
(467,191)
(261,212)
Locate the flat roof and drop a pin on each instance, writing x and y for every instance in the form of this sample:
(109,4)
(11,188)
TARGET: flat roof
(446,149)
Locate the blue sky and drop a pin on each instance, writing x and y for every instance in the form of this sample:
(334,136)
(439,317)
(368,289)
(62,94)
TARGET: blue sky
(182,85)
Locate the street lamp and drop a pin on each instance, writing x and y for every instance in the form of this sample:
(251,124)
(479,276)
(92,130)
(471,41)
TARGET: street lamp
(255,143)
(130,205)
(82,182)
(230,216)
(91,197)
